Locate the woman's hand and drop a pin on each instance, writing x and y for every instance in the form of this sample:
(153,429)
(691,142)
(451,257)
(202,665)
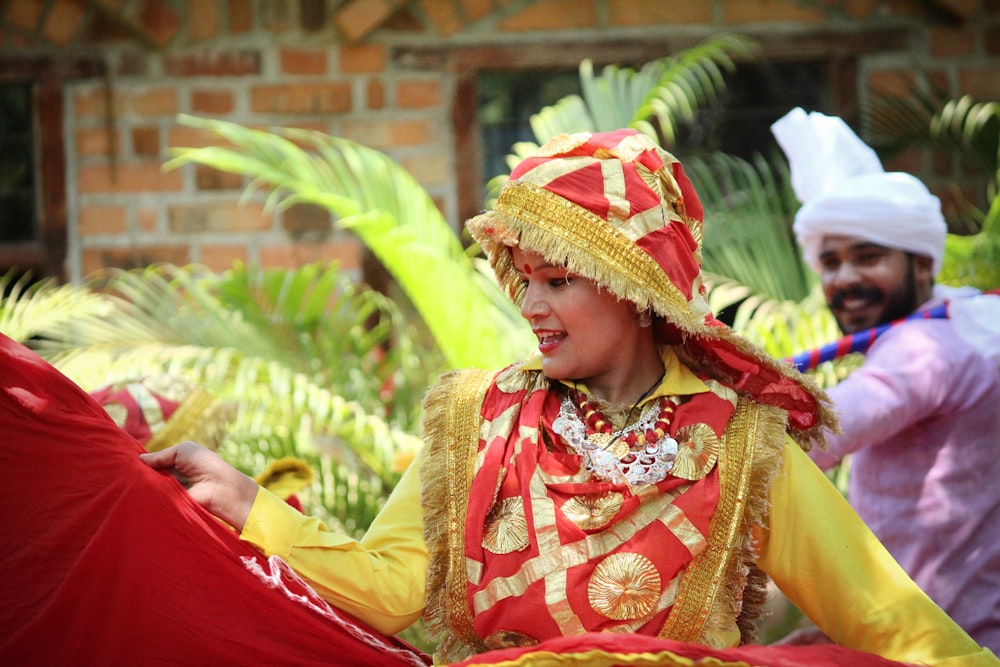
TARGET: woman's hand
(212,483)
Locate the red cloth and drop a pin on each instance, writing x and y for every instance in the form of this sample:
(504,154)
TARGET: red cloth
(612,650)
(107,562)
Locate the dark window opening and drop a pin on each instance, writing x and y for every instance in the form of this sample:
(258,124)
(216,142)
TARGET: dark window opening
(18,188)
(737,123)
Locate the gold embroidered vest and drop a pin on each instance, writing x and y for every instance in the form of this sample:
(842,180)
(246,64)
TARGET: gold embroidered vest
(525,545)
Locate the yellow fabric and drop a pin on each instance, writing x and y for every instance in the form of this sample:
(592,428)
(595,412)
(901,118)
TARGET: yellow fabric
(823,557)
(379,579)
(815,548)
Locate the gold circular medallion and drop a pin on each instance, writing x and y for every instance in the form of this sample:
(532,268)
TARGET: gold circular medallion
(624,586)
(697,451)
(593,511)
(506,528)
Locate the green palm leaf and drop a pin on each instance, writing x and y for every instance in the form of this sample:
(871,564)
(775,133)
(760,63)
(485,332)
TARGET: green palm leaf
(316,366)
(379,201)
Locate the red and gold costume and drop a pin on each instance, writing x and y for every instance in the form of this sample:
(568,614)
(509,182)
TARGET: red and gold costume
(528,543)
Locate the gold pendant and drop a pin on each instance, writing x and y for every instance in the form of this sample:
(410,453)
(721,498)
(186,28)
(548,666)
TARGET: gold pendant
(619,449)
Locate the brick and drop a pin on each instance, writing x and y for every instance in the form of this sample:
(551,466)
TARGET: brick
(757,11)
(209,179)
(644,13)
(148,219)
(430,169)
(135,257)
(95,141)
(154,102)
(553,15)
(200,218)
(127,177)
(97,220)
(221,257)
(240,13)
(445,19)
(860,9)
(63,22)
(388,134)
(375,95)
(276,15)
(181,136)
(93,102)
(307,220)
(357,18)
(951,42)
(362,59)
(980,81)
(218,102)
(227,63)
(303,61)
(154,19)
(203,19)
(25,14)
(893,82)
(347,252)
(301,98)
(419,94)
(476,9)
(146,141)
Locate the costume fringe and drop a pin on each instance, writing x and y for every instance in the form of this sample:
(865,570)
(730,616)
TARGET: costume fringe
(767,465)
(200,417)
(446,475)
(614,261)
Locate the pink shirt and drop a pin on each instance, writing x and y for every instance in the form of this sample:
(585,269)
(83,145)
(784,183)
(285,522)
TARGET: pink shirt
(922,420)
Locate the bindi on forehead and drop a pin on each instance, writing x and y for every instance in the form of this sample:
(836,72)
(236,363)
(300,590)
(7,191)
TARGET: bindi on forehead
(527,269)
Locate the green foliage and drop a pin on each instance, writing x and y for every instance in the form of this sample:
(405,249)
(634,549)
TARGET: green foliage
(472,321)
(317,366)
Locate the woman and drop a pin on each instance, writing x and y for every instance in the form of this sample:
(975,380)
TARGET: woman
(617,497)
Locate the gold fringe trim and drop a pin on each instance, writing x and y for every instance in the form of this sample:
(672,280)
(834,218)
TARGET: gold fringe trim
(199,417)
(564,233)
(722,583)
(452,418)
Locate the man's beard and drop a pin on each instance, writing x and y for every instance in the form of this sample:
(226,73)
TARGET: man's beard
(897,304)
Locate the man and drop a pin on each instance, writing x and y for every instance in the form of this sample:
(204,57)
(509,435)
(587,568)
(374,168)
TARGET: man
(921,417)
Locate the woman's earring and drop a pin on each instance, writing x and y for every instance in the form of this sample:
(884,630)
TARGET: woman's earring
(645,318)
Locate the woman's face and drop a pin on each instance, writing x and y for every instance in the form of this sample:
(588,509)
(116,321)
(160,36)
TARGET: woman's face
(584,332)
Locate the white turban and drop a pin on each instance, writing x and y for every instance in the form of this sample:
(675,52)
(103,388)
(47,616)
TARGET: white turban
(845,191)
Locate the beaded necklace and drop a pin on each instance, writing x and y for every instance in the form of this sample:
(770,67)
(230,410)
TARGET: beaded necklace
(638,453)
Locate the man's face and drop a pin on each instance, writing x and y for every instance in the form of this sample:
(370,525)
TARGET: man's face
(867,284)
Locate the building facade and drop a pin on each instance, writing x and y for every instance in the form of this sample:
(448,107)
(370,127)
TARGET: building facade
(102,83)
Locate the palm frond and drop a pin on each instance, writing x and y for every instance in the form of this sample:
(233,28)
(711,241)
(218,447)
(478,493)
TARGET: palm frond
(317,366)
(655,100)
(30,311)
(383,204)
(748,209)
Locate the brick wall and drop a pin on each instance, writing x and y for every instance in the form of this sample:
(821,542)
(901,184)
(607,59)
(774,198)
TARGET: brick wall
(385,73)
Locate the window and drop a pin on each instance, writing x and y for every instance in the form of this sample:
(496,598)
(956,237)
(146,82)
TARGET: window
(32,162)
(18,192)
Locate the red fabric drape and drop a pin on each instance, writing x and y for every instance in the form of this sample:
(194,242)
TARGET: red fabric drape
(614,650)
(104,561)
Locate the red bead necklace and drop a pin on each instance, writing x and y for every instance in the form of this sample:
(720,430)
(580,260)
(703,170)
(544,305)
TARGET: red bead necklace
(596,422)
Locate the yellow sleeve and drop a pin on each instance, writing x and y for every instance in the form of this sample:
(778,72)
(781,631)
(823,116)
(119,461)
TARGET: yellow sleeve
(829,564)
(378,579)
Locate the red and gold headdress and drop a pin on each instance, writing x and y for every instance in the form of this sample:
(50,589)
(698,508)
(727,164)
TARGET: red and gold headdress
(618,209)
(163,410)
